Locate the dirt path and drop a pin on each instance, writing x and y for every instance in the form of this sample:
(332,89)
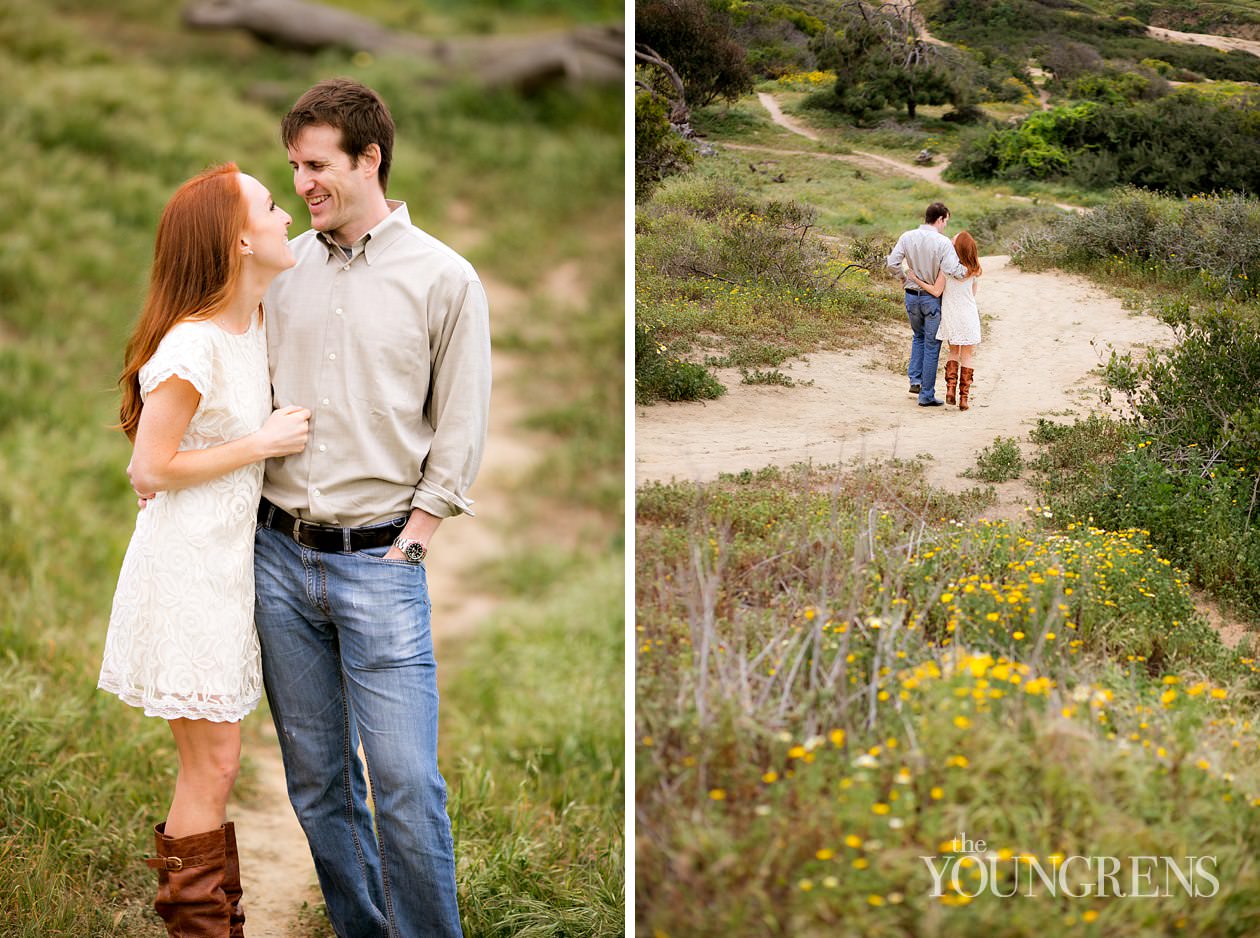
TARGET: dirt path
(276,865)
(872,161)
(931,174)
(1044,336)
(1224,43)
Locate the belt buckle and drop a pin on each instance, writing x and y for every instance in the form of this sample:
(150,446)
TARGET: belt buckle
(297,531)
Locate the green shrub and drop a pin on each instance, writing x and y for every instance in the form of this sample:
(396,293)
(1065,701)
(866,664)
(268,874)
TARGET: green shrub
(1181,143)
(659,150)
(1207,242)
(661,374)
(1184,465)
(1112,87)
(999,462)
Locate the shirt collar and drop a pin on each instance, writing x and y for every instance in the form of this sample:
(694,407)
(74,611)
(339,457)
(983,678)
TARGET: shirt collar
(378,239)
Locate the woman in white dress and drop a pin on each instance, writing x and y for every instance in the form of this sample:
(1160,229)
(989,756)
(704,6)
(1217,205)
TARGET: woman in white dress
(196,402)
(960,320)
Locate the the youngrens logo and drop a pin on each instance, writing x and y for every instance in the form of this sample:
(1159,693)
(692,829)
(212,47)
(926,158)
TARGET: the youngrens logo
(971,870)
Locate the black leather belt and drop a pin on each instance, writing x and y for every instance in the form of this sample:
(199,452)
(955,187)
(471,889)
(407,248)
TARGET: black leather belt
(324,537)
(918,292)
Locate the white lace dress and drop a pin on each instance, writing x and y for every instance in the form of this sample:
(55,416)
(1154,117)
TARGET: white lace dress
(181,640)
(960,317)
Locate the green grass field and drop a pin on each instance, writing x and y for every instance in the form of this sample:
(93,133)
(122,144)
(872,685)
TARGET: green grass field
(108,110)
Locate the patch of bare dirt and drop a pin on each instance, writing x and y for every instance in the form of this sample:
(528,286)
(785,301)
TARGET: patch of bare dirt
(1045,336)
(1224,43)
(1231,630)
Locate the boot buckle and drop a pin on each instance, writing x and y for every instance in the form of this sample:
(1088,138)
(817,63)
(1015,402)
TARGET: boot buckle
(170,864)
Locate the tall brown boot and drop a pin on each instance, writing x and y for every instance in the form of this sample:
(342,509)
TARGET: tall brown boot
(964,387)
(190,897)
(951,381)
(232,881)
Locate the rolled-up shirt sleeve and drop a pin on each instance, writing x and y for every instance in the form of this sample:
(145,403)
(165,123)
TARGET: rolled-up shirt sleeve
(458,404)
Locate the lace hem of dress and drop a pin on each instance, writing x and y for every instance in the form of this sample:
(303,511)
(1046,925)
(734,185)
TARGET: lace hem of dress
(186,707)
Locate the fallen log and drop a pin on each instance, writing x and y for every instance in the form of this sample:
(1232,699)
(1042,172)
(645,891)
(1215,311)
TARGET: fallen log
(582,54)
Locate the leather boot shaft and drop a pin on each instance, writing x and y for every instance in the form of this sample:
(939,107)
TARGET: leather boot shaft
(232,881)
(951,382)
(964,387)
(190,897)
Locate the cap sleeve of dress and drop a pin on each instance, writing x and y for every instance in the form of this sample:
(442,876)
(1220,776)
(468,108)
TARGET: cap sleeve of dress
(187,352)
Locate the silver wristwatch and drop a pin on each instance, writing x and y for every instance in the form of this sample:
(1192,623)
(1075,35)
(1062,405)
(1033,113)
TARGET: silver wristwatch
(412,549)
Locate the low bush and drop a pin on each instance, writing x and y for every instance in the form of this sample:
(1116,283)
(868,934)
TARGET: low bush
(662,374)
(1183,463)
(1182,143)
(1208,243)
(659,151)
(999,462)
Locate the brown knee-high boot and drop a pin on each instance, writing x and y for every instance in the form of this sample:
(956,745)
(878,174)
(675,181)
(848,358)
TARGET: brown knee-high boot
(232,881)
(190,897)
(964,387)
(951,381)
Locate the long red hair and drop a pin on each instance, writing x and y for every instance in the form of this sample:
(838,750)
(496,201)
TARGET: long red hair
(196,267)
(968,253)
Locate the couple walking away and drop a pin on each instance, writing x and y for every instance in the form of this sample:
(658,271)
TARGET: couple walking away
(304,414)
(940,283)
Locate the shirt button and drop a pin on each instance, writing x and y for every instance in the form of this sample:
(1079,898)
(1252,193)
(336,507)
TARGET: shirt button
(316,493)
(338,312)
(332,356)
(347,267)
(324,402)
(322,447)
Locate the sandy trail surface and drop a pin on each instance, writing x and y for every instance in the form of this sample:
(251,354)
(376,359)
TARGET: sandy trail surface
(930,174)
(1224,43)
(1044,337)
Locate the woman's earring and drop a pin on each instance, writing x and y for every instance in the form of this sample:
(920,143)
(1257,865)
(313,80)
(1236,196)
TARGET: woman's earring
(248,251)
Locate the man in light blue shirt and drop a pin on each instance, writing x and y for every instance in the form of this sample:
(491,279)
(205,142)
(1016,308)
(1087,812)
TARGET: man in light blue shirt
(926,251)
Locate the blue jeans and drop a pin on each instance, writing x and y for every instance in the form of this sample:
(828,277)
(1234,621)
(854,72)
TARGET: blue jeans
(924,313)
(348,658)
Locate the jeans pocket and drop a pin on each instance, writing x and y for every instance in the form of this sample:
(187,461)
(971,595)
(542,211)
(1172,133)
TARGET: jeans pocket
(377,555)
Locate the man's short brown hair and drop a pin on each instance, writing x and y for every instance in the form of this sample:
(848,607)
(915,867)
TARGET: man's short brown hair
(351,108)
(934,211)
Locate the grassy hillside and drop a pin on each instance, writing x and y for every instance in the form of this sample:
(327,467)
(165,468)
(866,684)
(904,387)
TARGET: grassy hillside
(107,110)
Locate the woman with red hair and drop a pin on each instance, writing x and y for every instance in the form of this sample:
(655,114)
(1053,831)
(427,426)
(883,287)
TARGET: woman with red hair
(196,403)
(960,320)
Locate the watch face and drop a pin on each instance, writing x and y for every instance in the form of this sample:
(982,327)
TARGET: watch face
(414,551)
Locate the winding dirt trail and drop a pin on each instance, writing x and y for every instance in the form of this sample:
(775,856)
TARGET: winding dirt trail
(1223,43)
(1044,336)
(930,174)
(872,161)
(276,865)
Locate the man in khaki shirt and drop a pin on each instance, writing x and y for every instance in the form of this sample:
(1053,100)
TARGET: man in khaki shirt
(382,332)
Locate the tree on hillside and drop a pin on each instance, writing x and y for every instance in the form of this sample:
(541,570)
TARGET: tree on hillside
(699,43)
(880,61)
